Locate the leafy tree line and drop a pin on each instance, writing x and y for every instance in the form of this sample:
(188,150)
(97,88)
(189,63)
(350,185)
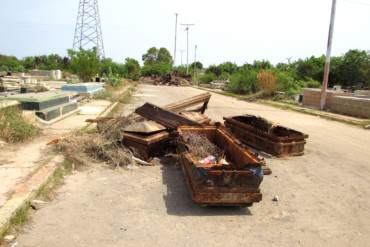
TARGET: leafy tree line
(352,70)
(87,64)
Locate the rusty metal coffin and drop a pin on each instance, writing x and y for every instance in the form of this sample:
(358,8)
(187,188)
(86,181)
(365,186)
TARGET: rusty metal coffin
(265,136)
(236,184)
(148,146)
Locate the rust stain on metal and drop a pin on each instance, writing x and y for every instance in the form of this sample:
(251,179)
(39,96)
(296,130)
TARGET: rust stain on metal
(263,135)
(235,184)
(196,117)
(167,118)
(148,146)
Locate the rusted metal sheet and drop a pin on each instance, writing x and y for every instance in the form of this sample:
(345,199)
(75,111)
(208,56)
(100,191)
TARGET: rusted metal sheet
(145,127)
(196,117)
(235,184)
(179,106)
(265,136)
(148,146)
(167,118)
(182,105)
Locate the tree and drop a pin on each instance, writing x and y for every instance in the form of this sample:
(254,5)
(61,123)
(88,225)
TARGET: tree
(10,63)
(354,68)
(243,81)
(214,69)
(310,68)
(85,63)
(197,65)
(150,57)
(264,64)
(164,56)
(228,67)
(109,67)
(157,62)
(131,69)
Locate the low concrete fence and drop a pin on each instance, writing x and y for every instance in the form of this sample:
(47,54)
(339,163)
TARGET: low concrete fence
(312,97)
(352,106)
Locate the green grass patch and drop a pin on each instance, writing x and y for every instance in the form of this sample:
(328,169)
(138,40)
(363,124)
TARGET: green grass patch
(13,127)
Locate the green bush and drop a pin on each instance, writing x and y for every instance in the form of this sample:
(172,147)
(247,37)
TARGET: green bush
(113,80)
(312,84)
(207,78)
(131,69)
(13,126)
(85,63)
(156,69)
(243,81)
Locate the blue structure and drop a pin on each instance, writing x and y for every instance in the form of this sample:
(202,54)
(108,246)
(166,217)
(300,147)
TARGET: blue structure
(83,88)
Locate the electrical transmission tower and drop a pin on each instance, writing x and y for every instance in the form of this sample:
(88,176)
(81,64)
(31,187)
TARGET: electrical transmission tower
(88,32)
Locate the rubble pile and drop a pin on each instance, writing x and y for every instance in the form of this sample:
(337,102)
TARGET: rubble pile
(173,79)
(219,167)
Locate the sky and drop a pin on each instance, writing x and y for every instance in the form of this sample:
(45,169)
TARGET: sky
(235,30)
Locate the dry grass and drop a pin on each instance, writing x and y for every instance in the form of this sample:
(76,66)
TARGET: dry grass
(104,145)
(267,82)
(201,147)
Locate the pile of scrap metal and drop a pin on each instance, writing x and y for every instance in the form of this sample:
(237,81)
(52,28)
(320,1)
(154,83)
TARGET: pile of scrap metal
(230,180)
(155,137)
(219,166)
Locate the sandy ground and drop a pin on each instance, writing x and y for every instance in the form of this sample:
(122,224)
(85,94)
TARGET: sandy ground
(18,161)
(324,195)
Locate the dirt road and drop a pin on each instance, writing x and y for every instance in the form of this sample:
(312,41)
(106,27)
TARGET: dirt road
(324,195)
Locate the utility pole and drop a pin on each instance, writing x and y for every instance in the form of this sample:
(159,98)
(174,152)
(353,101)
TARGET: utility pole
(174,53)
(187,45)
(195,59)
(182,52)
(328,55)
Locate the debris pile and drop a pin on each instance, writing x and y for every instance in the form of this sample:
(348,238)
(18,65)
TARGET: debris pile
(201,147)
(173,79)
(219,169)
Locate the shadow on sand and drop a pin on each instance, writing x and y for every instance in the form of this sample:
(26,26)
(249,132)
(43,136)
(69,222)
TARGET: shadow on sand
(177,198)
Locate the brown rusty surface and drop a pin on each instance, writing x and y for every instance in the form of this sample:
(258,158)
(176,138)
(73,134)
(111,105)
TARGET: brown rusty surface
(182,105)
(197,117)
(148,146)
(144,127)
(260,134)
(162,116)
(231,185)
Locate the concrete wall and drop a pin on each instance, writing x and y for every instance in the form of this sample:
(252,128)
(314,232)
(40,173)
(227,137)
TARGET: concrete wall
(53,74)
(351,106)
(362,93)
(312,97)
